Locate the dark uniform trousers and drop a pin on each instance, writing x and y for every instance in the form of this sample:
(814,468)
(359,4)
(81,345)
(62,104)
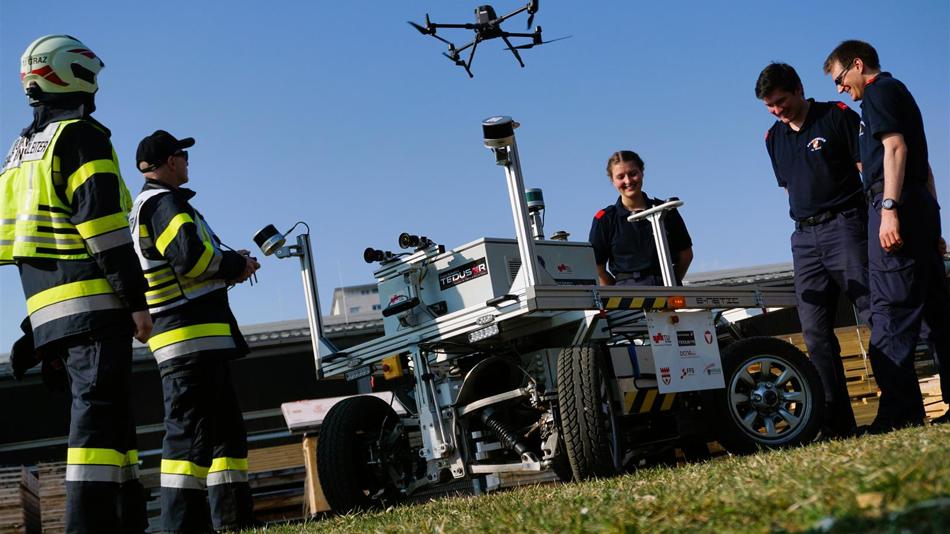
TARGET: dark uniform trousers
(101,426)
(907,286)
(204,431)
(830,258)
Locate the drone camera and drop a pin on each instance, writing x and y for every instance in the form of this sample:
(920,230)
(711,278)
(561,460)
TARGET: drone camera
(269,239)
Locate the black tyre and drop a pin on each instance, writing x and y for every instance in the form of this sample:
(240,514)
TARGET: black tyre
(588,425)
(773,396)
(363,455)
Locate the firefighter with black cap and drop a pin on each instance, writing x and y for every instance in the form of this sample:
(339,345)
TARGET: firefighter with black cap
(188,270)
(63,222)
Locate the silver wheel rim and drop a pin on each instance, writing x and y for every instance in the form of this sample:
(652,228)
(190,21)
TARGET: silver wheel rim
(769,399)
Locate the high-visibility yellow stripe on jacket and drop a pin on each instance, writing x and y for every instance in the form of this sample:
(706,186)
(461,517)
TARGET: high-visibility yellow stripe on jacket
(168,289)
(35,222)
(189,340)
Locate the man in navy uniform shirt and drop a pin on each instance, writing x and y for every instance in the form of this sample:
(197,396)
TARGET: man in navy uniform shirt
(907,278)
(627,249)
(814,151)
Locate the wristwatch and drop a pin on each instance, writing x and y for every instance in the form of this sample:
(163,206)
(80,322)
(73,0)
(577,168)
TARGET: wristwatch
(889,204)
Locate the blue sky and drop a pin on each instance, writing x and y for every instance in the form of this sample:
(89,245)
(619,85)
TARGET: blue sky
(341,115)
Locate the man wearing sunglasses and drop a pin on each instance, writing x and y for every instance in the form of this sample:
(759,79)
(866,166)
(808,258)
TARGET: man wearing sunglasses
(188,271)
(907,279)
(814,151)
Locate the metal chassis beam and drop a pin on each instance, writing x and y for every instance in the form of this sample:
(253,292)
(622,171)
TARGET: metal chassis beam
(546,300)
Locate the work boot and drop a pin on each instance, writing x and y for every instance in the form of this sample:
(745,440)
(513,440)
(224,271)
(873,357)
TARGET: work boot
(945,418)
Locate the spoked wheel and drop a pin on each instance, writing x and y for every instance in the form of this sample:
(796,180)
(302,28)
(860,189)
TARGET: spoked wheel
(588,421)
(773,396)
(363,455)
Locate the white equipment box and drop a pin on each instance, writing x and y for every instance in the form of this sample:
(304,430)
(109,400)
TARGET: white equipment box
(685,351)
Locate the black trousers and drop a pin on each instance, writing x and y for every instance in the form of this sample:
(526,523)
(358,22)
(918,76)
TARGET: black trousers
(103,493)
(908,286)
(831,258)
(204,456)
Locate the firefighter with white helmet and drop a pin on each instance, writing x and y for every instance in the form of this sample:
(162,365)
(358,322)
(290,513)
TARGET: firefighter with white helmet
(63,223)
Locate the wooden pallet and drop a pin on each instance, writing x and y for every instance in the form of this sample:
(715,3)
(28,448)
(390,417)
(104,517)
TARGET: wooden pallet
(861,385)
(19,501)
(52,482)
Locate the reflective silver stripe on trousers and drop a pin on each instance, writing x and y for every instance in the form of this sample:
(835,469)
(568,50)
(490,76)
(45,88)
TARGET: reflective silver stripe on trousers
(93,473)
(115,238)
(182,481)
(191,346)
(226,477)
(73,306)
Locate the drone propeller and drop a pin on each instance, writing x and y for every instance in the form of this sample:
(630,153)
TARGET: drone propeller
(532,45)
(427,30)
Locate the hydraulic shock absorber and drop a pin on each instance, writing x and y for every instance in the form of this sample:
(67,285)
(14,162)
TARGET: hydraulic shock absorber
(508,437)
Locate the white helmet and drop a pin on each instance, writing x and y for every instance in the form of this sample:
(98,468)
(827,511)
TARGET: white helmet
(60,64)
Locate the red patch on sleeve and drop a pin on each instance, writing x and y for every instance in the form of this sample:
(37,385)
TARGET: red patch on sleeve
(841,105)
(767,134)
(599,214)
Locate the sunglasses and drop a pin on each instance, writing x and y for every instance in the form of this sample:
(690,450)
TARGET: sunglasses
(840,78)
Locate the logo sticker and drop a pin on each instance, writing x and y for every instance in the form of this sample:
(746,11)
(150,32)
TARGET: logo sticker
(815,144)
(687,371)
(685,338)
(661,339)
(708,337)
(712,369)
(665,374)
(397,298)
(564,268)
(688,353)
(462,274)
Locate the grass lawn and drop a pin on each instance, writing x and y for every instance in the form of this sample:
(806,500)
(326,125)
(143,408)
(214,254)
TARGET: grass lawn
(899,482)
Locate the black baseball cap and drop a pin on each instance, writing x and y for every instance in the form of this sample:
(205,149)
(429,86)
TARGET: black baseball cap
(155,149)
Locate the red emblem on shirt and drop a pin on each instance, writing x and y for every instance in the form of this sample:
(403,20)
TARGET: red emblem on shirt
(599,214)
(841,105)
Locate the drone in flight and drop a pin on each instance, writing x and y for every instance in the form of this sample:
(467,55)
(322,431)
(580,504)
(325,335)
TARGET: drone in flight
(487,26)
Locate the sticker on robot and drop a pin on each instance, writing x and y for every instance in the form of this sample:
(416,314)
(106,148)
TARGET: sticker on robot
(688,353)
(660,339)
(708,337)
(665,375)
(464,273)
(712,369)
(687,371)
(685,338)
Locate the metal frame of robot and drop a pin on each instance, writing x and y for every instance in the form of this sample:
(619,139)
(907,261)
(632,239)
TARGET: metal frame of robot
(534,308)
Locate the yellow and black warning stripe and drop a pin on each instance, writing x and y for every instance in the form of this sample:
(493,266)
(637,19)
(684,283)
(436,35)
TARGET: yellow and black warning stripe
(647,401)
(635,303)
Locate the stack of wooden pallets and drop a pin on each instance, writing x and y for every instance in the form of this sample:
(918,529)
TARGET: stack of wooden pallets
(19,501)
(52,484)
(861,385)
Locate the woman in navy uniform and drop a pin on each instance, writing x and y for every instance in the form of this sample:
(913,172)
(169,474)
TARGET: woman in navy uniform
(625,252)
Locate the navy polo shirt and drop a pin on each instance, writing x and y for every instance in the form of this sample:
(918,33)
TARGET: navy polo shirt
(628,247)
(888,107)
(817,163)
